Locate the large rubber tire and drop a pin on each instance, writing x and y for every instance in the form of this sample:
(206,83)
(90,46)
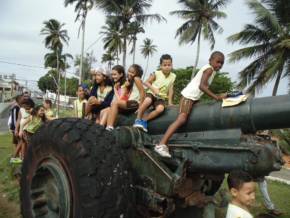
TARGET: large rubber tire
(74,168)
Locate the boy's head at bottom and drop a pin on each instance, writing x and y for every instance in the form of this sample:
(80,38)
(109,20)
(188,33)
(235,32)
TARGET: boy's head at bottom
(242,188)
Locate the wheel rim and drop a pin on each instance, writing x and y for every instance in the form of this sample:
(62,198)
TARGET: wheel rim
(50,190)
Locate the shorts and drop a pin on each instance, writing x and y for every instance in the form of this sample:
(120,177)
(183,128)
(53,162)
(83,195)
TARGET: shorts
(131,106)
(185,105)
(155,100)
(14,138)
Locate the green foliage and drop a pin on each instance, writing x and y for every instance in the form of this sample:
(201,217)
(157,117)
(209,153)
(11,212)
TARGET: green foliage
(221,83)
(71,86)
(284,139)
(11,188)
(267,42)
(47,82)
(55,35)
(200,19)
(88,61)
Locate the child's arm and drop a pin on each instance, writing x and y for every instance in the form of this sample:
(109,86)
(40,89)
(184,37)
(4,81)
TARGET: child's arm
(116,86)
(204,85)
(17,127)
(149,82)
(75,108)
(170,95)
(140,88)
(27,120)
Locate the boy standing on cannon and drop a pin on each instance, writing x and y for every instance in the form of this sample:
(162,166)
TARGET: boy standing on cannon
(191,95)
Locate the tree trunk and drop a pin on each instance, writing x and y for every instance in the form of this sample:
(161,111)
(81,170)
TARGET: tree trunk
(275,89)
(58,84)
(134,51)
(117,57)
(124,52)
(197,55)
(144,76)
(82,49)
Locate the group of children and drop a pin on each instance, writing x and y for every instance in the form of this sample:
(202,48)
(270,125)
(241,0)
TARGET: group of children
(114,92)
(24,120)
(128,94)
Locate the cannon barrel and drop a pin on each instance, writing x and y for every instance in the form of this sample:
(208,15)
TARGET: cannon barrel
(250,116)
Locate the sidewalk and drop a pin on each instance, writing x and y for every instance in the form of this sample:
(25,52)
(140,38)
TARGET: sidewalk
(282,176)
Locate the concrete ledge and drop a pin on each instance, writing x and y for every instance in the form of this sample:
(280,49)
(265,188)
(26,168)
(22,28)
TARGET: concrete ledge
(4,109)
(276,179)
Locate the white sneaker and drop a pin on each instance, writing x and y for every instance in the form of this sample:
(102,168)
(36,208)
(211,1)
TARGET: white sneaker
(162,150)
(109,128)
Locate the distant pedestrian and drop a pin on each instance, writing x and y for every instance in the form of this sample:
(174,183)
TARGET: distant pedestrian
(80,103)
(270,206)
(26,107)
(47,104)
(12,120)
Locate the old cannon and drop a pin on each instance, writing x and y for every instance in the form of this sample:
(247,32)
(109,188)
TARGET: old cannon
(75,168)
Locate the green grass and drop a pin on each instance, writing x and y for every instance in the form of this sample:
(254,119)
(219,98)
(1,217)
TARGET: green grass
(9,185)
(279,194)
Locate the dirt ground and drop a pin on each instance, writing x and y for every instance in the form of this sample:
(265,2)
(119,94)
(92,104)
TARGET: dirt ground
(8,208)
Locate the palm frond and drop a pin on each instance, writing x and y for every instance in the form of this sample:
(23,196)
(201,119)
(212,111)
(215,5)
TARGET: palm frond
(249,52)
(264,17)
(250,34)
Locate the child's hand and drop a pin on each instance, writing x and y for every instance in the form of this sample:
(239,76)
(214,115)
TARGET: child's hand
(93,100)
(222,96)
(117,85)
(155,91)
(127,83)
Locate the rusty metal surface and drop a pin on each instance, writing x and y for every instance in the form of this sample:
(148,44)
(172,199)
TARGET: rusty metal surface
(255,114)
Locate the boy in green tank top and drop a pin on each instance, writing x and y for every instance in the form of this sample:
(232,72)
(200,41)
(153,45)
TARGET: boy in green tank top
(160,90)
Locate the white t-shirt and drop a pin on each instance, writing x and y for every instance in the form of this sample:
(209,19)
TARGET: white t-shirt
(237,212)
(192,91)
(24,116)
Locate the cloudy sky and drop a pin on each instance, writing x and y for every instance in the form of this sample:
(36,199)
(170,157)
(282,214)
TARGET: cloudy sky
(21,42)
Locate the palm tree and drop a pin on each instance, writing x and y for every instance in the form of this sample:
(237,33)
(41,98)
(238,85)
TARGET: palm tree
(147,49)
(112,36)
(55,37)
(82,7)
(50,60)
(269,42)
(134,29)
(108,57)
(200,16)
(128,11)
